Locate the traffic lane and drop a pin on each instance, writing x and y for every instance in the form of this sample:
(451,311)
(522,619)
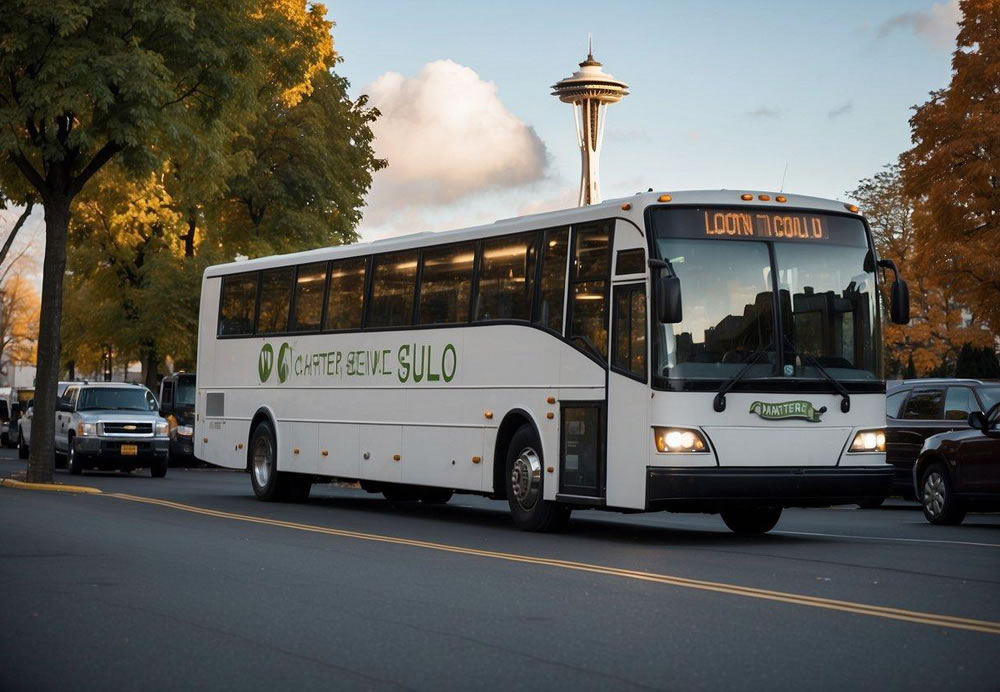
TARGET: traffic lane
(165,598)
(904,575)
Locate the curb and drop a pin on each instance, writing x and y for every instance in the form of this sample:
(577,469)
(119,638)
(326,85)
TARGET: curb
(11,483)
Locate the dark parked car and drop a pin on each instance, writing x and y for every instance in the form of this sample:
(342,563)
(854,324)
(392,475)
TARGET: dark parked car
(959,472)
(177,392)
(917,409)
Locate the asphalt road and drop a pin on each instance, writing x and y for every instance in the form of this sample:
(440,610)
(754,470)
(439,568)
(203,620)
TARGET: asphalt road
(188,582)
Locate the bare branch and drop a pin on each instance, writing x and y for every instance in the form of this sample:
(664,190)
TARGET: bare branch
(17,227)
(100,158)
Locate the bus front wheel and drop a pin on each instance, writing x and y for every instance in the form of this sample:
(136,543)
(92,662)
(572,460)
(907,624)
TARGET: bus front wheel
(270,484)
(525,486)
(751,521)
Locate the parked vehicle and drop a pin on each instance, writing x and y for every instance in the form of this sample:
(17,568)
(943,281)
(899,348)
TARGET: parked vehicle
(919,408)
(111,426)
(959,472)
(177,394)
(8,415)
(28,412)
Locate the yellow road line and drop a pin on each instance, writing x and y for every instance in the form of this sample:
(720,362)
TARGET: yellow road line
(22,485)
(918,617)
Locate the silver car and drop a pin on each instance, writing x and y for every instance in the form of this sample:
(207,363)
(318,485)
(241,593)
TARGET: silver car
(111,425)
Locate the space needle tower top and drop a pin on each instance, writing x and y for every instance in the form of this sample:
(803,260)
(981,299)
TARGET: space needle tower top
(591,90)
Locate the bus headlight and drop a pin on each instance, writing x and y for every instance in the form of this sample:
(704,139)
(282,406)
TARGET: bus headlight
(868,441)
(162,429)
(185,430)
(679,440)
(86,429)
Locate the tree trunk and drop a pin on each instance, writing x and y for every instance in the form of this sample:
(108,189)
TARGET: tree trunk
(149,369)
(42,461)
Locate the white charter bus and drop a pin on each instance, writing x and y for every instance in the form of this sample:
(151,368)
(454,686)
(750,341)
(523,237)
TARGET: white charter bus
(694,352)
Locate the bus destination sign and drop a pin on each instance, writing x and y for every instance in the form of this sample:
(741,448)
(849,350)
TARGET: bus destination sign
(764,224)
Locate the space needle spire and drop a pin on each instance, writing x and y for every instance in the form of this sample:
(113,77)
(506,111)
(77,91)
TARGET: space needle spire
(591,90)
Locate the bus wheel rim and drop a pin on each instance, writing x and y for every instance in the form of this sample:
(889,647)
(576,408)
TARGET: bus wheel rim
(263,461)
(526,478)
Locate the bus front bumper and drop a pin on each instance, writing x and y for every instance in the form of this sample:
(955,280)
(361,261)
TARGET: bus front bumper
(714,489)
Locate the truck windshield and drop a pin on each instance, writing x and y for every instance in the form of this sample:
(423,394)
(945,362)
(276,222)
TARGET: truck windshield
(116,399)
(184,394)
(801,288)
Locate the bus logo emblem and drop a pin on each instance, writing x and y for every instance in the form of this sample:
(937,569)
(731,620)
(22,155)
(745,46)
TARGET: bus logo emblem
(787,409)
(284,361)
(265,361)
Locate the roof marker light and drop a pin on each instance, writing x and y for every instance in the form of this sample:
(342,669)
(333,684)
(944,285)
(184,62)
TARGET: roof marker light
(664,198)
(853,208)
(746,197)
(764,198)
(626,206)
(780,198)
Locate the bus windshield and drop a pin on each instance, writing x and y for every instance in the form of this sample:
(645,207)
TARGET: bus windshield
(790,291)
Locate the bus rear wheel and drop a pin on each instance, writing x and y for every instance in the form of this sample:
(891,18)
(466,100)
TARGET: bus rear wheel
(525,486)
(751,521)
(270,484)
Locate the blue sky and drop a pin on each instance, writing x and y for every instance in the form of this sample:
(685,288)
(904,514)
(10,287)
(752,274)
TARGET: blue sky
(723,95)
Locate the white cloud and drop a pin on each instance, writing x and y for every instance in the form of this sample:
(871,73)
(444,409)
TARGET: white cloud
(447,135)
(938,24)
(763,112)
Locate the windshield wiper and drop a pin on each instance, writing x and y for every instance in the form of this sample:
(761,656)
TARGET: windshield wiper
(845,401)
(719,403)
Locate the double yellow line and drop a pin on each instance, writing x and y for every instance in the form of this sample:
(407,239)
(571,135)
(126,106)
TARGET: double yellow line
(932,619)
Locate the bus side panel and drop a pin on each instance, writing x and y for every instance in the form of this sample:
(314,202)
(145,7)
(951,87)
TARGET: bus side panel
(341,443)
(444,457)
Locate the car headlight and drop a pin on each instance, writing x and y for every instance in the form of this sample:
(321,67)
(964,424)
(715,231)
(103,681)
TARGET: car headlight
(185,430)
(85,429)
(679,440)
(162,428)
(868,441)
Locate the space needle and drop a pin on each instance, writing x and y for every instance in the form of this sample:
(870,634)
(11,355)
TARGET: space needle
(591,90)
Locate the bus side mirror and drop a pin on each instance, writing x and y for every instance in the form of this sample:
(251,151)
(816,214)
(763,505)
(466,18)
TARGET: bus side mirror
(899,305)
(899,310)
(668,299)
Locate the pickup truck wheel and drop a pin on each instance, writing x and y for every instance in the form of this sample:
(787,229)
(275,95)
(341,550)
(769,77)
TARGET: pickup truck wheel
(22,449)
(73,460)
(158,469)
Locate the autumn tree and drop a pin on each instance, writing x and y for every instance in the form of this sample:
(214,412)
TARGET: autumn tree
(88,81)
(953,170)
(19,305)
(938,326)
(294,179)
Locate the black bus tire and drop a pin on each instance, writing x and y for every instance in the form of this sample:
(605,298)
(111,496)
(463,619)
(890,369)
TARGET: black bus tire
(526,486)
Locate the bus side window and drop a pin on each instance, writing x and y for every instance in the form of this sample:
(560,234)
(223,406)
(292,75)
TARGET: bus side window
(275,297)
(446,284)
(347,294)
(237,304)
(394,282)
(507,278)
(310,283)
(552,289)
(589,291)
(629,353)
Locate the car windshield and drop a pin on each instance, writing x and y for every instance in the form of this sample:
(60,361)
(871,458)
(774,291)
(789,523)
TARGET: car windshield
(184,395)
(117,399)
(826,294)
(990,396)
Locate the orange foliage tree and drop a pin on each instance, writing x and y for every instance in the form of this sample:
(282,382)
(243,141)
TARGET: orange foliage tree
(952,173)
(939,324)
